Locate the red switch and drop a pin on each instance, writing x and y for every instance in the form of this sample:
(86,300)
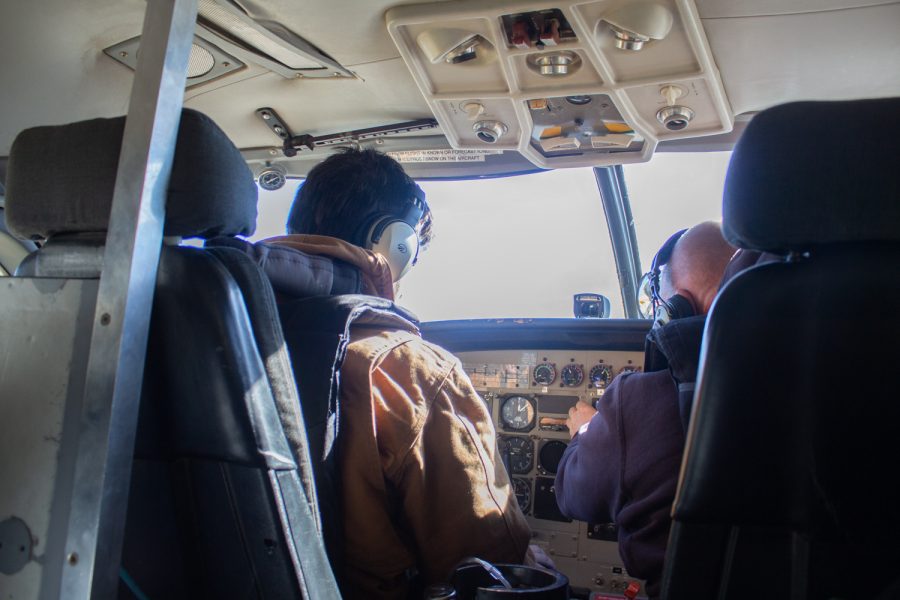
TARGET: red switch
(521,34)
(550,34)
(632,590)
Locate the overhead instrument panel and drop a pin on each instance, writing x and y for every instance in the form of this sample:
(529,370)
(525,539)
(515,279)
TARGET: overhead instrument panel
(528,395)
(579,124)
(566,83)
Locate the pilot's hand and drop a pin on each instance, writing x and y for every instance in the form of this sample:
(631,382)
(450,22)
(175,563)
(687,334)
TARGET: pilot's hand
(579,415)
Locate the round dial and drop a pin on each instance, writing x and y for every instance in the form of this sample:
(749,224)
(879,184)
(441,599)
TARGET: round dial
(520,452)
(522,489)
(600,376)
(629,370)
(545,374)
(550,455)
(517,413)
(572,375)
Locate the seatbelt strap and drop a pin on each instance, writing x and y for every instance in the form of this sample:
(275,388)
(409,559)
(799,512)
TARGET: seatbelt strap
(685,402)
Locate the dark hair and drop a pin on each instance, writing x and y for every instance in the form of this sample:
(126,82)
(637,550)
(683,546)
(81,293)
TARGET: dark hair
(345,192)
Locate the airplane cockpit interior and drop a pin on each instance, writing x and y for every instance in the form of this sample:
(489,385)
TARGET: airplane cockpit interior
(174,409)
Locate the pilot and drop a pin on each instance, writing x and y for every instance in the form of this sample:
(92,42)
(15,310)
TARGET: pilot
(422,485)
(623,461)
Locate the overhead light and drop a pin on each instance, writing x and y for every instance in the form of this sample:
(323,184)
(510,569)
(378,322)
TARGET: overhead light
(205,62)
(672,116)
(468,50)
(489,131)
(453,46)
(270,39)
(554,64)
(635,24)
(675,118)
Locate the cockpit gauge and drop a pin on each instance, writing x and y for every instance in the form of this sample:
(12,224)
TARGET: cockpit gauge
(522,489)
(544,374)
(550,455)
(519,452)
(600,376)
(517,413)
(572,375)
(629,370)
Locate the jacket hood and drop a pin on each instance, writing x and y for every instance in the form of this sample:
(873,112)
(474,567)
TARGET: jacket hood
(373,268)
(679,341)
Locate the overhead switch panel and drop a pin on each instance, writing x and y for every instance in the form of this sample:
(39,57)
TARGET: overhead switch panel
(569,84)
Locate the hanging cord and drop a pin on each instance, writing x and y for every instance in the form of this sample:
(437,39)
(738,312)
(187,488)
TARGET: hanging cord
(491,569)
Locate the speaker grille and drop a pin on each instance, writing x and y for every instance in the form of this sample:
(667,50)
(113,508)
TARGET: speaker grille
(200,62)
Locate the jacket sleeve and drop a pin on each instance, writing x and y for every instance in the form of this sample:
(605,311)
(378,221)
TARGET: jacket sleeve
(456,497)
(589,478)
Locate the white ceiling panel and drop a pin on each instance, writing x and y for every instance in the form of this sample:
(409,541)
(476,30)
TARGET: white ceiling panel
(843,54)
(384,94)
(726,9)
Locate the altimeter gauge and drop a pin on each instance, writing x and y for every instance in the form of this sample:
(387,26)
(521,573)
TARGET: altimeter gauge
(517,413)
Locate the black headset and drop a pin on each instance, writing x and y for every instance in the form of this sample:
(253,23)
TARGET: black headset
(667,309)
(395,236)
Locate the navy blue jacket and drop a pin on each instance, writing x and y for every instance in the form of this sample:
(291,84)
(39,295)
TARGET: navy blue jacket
(624,469)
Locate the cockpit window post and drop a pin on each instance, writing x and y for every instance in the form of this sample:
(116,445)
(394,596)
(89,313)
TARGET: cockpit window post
(611,183)
(109,412)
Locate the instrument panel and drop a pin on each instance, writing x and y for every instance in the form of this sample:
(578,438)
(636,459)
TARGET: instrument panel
(528,394)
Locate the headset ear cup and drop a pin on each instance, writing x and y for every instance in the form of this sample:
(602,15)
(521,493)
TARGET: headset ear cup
(398,244)
(676,307)
(680,307)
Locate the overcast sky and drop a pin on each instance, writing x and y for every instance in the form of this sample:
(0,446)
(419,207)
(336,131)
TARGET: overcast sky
(522,246)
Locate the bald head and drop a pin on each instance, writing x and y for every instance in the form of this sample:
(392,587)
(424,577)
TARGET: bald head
(697,265)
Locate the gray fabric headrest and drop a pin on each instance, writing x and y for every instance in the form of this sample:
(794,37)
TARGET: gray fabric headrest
(812,173)
(211,189)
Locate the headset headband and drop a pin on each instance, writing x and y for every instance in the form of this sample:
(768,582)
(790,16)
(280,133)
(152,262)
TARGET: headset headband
(659,260)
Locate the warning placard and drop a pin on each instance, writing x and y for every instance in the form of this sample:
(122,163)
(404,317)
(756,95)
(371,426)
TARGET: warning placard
(441,156)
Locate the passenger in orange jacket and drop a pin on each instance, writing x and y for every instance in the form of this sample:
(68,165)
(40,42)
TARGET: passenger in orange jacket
(422,484)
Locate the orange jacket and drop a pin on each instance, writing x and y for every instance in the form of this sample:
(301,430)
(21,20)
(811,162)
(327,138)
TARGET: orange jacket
(423,483)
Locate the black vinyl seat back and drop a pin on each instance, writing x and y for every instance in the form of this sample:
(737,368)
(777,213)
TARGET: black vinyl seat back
(214,477)
(319,301)
(221,501)
(317,338)
(788,486)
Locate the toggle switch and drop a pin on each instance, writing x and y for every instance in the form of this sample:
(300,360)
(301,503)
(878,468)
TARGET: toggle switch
(473,109)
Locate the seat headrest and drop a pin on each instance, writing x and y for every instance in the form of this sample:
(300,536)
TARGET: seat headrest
(211,189)
(811,173)
(295,274)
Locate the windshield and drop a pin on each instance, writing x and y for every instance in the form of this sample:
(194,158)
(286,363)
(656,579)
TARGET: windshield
(513,247)
(522,246)
(507,247)
(674,191)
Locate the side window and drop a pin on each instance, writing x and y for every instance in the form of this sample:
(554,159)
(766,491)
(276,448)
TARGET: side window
(273,210)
